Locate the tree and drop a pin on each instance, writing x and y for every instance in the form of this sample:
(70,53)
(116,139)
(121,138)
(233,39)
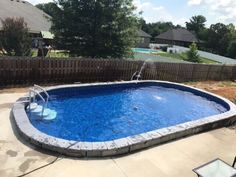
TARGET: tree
(219,37)
(50,8)
(15,37)
(231,51)
(197,25)
(232,30)
(154,29)
(192,54)
(96,28)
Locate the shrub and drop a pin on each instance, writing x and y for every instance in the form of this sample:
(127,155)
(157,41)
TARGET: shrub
(192,54)
(15,37)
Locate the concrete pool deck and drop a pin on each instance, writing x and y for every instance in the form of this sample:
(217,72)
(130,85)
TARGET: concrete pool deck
(173,159)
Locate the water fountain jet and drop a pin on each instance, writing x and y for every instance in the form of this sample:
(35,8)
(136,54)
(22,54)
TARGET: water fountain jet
(138,74)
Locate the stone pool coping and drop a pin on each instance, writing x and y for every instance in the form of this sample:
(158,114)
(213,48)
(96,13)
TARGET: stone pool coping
(122,145)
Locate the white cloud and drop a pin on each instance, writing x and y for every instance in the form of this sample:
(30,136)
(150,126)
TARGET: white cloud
(153,13)
(194,2)
(224,10)
(39,1)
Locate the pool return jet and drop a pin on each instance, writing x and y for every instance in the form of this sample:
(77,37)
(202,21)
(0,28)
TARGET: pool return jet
(138,74)
(40,111)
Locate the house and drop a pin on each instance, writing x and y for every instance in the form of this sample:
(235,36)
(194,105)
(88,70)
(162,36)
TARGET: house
(144,40)
(180,37)
(38,22)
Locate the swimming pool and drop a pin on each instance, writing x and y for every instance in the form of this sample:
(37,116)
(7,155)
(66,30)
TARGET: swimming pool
(147,51)
(116,118)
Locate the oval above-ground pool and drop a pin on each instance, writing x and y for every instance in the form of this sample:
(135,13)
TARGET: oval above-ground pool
(105,119)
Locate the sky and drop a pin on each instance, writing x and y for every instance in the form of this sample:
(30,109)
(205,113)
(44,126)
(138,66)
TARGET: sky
(180,11)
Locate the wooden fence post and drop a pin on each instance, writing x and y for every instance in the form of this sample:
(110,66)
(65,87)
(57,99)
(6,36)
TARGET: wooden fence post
(234,73)
(177,73)
(208,71)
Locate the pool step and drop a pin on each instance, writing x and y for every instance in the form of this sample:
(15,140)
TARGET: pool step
(36,111)
(49,114)
(32,106)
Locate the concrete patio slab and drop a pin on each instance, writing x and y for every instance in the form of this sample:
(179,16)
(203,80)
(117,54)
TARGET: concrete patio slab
(176,158)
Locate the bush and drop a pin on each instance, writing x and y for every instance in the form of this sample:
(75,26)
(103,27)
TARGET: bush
(192,54)
(15,37)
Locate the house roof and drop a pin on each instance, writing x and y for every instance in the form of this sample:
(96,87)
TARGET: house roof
(142,33)
(178,35)
(36,19)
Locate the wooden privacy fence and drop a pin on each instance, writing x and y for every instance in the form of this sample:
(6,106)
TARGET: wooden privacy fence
(19,71)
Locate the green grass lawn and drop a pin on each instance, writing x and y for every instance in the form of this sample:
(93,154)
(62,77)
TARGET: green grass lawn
(169,56)
(58,54)
(183,56)
(52,54)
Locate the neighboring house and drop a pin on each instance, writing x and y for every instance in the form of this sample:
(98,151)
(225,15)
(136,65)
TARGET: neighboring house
(37,21)
(180,37)
(144,39)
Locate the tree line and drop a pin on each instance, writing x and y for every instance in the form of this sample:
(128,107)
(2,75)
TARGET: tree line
(218,38)
(108,29)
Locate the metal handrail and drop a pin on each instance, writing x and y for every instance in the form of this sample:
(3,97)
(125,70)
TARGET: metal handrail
(40,96)
(41,88)
(37,93)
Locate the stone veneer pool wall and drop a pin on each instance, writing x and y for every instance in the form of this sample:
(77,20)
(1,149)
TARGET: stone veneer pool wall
(123,145)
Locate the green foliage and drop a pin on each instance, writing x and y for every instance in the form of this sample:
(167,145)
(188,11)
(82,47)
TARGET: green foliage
(15,37)
(50,8)
(203,35)
(197,25)
(231,51)
(183,56)
(219,37)
(192,54)
(232,29)
(96,28)
(154,29)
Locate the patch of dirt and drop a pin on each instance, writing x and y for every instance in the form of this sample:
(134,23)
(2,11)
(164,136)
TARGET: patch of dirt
(226,89)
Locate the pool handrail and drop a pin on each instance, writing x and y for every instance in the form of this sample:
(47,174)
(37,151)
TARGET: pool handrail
(44,91)
(35,92)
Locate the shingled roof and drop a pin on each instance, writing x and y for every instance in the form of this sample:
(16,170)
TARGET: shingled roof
(36,19)
(178,35)
(142,33)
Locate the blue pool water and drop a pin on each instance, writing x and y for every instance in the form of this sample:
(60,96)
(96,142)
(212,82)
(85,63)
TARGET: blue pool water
(143,50)
(110,112)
